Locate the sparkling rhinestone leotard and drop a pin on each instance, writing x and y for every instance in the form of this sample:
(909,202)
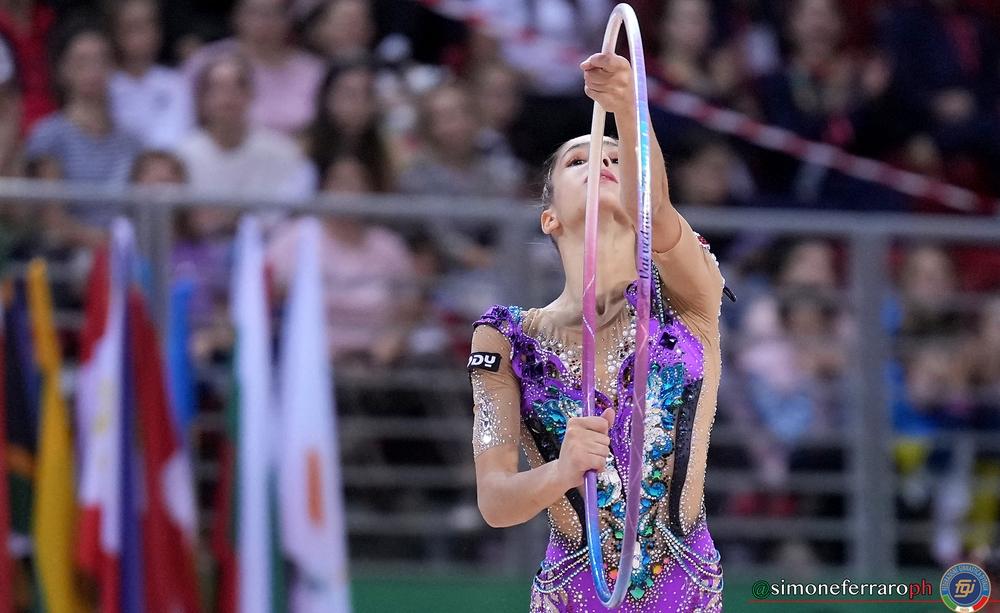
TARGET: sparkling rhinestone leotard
(530,386)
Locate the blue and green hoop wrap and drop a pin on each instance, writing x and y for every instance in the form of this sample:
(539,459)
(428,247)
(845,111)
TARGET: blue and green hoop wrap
(622,14)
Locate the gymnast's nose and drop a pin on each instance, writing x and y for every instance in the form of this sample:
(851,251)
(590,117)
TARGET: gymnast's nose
(606,160)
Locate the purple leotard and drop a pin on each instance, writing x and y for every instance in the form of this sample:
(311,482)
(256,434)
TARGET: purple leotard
(536,382)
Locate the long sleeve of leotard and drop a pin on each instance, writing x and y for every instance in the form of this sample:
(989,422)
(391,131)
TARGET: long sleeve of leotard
(496,392)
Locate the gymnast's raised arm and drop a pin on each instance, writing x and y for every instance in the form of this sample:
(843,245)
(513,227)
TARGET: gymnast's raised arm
(608,81)
(689,272)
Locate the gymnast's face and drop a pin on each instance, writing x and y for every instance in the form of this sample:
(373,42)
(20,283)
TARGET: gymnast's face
(566,188)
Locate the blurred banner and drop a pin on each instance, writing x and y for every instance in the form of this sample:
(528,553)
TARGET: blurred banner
(246,534)
(55,500)
(137,531)
(312,508)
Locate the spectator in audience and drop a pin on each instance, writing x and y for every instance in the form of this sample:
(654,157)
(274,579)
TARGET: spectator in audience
(710,173)
(929,326)
(687,59)
(820,94)
(787,359)
(752,28)
(496,88)
(949,374)
(285,77)
(202,253)
(348,123)
(934,397)
(927,302)
(149,100)
(81,142)
(554,107)
(158,167)
(341,30)
(370,290)
(227,154)
(20,233)
(28,25)
(928,386)
(558,24)
(809,264)
(11,110)
(983,351)
(920,318)
(948,69)
(791,363)
(450,163)
(936,382)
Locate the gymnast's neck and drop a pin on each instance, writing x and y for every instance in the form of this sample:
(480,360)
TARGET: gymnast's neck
(615,270)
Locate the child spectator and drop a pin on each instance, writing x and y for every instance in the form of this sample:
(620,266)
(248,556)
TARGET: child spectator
(151,101)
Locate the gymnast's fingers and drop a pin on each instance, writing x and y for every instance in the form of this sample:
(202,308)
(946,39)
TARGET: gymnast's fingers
(598,449)
(619,63)
(597,77)
(593,92)
(601,60)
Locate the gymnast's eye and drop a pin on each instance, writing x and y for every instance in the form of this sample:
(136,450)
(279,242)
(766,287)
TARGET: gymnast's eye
(614,159)
(576,162)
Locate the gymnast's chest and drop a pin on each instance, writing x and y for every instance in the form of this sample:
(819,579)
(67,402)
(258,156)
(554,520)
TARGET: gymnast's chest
(551,390)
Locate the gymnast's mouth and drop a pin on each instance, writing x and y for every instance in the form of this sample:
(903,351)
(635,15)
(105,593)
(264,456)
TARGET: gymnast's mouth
(605,175)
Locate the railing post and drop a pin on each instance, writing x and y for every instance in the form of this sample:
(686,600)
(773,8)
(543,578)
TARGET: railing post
(160,258)
(873,550)
(154,233)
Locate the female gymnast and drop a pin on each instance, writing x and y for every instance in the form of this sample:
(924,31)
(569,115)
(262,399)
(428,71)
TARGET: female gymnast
(525,371)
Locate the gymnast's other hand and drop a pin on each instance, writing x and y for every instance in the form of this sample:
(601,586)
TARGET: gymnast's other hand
(585,446)
(607,79)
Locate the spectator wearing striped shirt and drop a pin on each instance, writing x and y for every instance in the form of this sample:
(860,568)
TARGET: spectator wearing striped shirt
(80,142)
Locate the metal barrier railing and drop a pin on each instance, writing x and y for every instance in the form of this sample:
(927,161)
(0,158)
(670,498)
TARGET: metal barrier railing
(869,529)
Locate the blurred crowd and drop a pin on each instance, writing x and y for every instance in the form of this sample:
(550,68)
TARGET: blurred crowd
(792,352)
(286,99)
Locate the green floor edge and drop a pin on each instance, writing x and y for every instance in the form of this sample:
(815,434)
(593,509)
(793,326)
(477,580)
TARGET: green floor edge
(436,594)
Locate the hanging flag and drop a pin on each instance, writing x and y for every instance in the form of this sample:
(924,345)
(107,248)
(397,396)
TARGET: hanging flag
(21,381)
(312,508)
(100,399)
(131,478)
(168,526)
(179,369)
(6,564)
(55,504)
(245,540)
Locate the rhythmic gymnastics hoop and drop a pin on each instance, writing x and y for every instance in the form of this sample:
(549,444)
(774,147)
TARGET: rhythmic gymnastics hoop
(622,14)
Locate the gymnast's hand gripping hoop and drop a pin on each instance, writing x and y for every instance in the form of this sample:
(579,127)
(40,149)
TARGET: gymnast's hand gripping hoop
(622,13)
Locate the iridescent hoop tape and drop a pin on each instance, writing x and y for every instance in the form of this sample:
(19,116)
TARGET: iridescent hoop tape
(622,14)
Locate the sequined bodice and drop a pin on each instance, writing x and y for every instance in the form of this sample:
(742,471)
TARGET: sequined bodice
(549,375)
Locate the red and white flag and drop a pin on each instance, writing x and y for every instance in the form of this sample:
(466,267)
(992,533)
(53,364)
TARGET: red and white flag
(168,533)
(99,415)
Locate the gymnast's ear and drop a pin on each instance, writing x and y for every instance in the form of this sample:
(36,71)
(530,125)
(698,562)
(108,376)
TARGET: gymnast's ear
(550,221)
